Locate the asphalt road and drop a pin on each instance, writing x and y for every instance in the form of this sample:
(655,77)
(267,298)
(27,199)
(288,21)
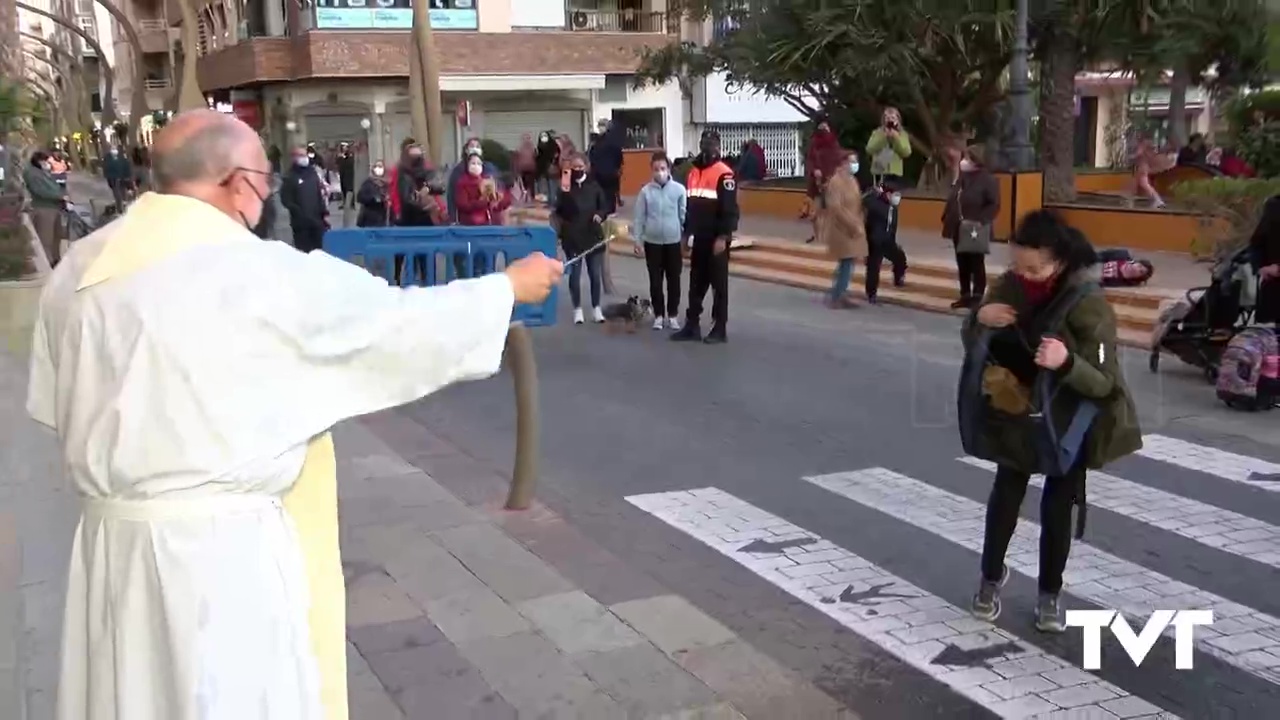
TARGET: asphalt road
(804,391)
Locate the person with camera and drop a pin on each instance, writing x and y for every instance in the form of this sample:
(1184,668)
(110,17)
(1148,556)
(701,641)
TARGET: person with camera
(888,145)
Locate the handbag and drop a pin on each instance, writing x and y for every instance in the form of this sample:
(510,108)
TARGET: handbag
(974,237)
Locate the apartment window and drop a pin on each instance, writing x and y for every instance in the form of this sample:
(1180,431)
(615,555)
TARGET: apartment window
(87,24)
(85,7)
(393,14)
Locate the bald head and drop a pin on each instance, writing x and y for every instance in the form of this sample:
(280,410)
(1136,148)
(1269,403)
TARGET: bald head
(202,147)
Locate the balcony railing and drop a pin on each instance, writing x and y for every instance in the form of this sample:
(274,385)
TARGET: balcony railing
(159,26)
(625,21)
(161,84)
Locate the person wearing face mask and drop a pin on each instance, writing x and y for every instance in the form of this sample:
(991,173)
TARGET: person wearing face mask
(118,173)
(472,147)
(1042,344)
(581,208)
(657,231)
(374,199)
(480,201)
(303,195)
(346,173)
(972,205)
(418,207)
(548,159)
(316,160)
(880,206)
(822,160)
(193,376)
(841,227)
(48,200)
(710,222)
(888,145)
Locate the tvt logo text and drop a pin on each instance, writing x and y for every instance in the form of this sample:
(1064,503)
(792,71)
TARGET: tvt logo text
(1092,621)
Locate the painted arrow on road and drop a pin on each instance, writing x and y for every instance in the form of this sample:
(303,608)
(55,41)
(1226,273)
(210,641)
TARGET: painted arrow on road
(875,593)
(1264,477)
(953,656)
(764,547)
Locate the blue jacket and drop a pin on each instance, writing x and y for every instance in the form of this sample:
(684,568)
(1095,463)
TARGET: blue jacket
(660,213)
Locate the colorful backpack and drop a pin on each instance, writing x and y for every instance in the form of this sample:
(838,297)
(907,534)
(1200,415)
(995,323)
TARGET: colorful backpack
(1249,371)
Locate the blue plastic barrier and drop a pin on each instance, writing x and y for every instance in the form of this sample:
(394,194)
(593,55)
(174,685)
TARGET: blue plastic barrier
(436,255)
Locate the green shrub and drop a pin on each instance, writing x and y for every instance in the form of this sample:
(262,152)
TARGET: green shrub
(1243,110)
(1229,210)
(498,154)
(1259,145)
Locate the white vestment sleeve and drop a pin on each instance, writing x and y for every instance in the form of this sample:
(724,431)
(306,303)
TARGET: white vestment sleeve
(42,383)
(369,346)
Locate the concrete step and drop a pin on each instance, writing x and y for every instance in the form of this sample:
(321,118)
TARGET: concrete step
(934,285)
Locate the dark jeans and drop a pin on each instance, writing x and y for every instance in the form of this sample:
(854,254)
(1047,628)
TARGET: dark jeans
(972,268)
(876,256)
(1057,498)
(707,270)
(595,276)
(665,265)
(308,237)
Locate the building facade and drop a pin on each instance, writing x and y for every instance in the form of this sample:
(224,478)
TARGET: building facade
(314,72)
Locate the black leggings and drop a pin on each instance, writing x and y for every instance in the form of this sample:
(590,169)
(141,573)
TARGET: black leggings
(665,265)
(972,268)
(1057,497)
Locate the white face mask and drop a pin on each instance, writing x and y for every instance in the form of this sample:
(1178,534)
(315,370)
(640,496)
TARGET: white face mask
(542,138)
(966,165)
(475,150)
(378,172)
(894,199)
(853,168)
(475,169)
(661,176)
(302,161)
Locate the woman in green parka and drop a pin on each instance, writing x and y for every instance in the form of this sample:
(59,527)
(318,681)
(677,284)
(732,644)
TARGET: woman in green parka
(1050,261)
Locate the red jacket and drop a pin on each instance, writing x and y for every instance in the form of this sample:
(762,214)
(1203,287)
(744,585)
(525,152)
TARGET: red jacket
(474,208)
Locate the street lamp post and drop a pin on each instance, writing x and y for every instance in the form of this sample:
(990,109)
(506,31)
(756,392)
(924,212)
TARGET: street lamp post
(1020,151)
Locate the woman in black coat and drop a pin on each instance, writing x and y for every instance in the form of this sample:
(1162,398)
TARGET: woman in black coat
(374,199)
(547,160)
(1264,249)
(580,212)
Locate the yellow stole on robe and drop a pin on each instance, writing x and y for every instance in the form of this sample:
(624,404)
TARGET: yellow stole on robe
(156,227)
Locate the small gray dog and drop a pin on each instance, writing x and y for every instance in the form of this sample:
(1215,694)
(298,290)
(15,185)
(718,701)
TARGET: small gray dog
(626,315)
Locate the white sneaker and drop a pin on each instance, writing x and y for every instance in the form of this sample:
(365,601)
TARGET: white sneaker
(659,323)
(672,324)
(597,314)
(577,316)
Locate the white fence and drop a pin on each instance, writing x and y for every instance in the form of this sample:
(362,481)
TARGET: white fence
(781,144)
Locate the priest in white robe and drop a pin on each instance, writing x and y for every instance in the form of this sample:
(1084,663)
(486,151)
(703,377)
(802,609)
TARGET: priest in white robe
(189,369)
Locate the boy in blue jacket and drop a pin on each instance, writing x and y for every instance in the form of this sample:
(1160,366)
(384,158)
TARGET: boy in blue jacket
(880,207)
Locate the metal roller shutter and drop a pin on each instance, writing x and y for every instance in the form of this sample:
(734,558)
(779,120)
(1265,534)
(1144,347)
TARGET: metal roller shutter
(508,127)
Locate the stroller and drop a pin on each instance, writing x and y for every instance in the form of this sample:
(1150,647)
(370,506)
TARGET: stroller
(1197,327)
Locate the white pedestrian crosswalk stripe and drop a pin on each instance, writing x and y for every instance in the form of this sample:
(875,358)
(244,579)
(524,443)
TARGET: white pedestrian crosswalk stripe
(1212,461)
(1222,529)
(1240,636)
(992,667)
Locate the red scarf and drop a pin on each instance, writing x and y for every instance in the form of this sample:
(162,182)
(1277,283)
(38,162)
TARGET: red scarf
(1037,292)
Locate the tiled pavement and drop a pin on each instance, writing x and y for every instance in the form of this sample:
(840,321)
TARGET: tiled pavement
(459,609)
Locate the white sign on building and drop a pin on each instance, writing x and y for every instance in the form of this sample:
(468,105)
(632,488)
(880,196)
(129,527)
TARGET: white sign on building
(721,102)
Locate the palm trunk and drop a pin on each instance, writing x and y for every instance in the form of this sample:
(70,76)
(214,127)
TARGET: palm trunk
(424,85)
(191,98)
(108,74)
(138,107)
(1178,107)
(1057,117)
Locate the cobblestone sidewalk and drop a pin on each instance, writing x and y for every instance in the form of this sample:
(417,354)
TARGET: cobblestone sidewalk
(451,616)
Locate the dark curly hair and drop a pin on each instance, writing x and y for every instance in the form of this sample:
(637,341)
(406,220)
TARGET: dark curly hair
(1045,229)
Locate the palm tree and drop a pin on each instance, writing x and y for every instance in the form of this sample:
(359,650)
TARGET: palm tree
(138,107)
(77,71)
(108,100)
(76,102)
(424,84)
(189,95)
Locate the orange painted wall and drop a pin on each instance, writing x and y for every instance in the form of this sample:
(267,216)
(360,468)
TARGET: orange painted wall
(635,171)
(1103,182)
(1029,197)
(1134,229)
(786,203)
(921,213)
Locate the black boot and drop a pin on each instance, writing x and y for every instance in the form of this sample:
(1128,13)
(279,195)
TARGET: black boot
(963,302)
(717,336)
(689,333)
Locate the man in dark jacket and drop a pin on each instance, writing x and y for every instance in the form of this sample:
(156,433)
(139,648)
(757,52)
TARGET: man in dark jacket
(118,172)
(880,208)
(1264,249)
(302,194)
(347,174)
(605,157)
(710,222)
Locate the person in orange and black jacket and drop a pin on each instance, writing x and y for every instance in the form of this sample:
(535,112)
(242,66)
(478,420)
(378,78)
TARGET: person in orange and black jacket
(710,222)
